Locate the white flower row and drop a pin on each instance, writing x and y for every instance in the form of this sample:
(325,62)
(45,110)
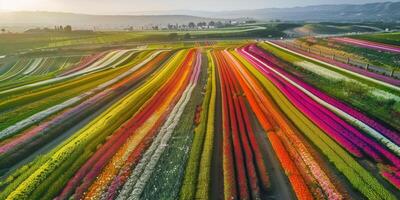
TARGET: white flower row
(309,66)
(78,73)
(107,61)
(54,109)
(33,66)
(142,172)
(388,85)
(370,131)
(15,70)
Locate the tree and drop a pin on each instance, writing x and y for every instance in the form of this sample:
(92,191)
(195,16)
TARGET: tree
(211,23)
(3,30)
(251,21)
(219,24)
(187,36)
(173,36)
(191,25)
(68,28)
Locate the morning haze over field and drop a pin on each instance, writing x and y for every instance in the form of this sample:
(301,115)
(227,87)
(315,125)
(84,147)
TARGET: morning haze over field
(201,100)
(128,6)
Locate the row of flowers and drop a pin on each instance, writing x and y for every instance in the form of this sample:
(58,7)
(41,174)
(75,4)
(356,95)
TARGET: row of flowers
(142,172)
(249,164)
(102,155)
(77,108)
(391,134)
(101,92)
(141,126)
(346,135)
(192,170)
(88,138)
(267,70)
(305,179)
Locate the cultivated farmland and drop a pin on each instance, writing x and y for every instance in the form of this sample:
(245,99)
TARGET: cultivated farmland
(240,119)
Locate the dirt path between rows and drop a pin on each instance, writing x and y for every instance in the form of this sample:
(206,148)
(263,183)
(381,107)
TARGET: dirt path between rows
(217,177)
(280,186)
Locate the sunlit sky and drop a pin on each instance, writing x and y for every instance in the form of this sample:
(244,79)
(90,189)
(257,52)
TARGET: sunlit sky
(127,6)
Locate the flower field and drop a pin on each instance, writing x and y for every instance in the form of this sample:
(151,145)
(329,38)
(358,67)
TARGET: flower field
(213,120)
(369,44)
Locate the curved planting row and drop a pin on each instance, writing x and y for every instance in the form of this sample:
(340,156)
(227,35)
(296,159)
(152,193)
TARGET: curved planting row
(123,142)
(358,70)
(361,179)
(356,77)
(21,105)
(111,60)
(36,69)
(264,59)
(346,135)
(141,174)
(242,123)
(57,65)
(40,94)
(356,117)
(49,68)
(16,148)
(369,44)
(51,168)
(84,63)
(18,68)
(393,135)
(304,171)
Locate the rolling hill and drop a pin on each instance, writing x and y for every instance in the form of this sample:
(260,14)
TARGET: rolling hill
(386,11)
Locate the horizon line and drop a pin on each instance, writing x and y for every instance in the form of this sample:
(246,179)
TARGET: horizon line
(143,13)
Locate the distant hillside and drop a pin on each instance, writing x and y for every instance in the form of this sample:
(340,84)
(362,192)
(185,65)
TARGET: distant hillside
(386,11)
(332,28)
(27,18)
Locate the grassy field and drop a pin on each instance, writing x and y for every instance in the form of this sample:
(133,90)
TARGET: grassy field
(387,38)
(380,59)
(28,42)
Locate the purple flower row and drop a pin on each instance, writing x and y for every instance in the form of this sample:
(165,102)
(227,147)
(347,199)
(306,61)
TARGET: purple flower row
(349,137)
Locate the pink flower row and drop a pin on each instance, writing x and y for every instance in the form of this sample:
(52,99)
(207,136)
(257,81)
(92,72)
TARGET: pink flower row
(390,134)
(349,137)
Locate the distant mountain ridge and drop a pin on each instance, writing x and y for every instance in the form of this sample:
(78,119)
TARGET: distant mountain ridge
(43,18)
(385,11)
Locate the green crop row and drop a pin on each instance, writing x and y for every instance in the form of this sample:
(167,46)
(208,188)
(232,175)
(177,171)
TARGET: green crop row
(293,59)
(204,178)
(358,176)
(78,148)
(22,105)
(387,38)
(201,151)
(355,94)
(49,69)
(166,180)
(26,108)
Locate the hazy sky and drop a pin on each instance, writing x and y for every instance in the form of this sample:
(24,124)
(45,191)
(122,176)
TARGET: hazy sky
(126,6)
